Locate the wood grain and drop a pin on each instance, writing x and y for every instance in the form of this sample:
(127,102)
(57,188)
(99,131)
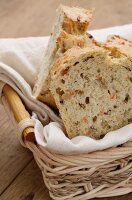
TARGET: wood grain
(13,157)
(20,179)
(27,186)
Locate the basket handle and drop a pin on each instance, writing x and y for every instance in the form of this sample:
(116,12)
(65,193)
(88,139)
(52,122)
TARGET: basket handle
(19,111)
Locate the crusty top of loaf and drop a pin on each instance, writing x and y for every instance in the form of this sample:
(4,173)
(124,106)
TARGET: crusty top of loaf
(77,13)
(76,53)
(122,44)
(72,55)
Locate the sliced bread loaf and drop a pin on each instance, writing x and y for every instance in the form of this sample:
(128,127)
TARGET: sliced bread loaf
(69,30)
(92,88)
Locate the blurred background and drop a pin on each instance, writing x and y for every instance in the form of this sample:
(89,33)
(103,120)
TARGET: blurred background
(21,18)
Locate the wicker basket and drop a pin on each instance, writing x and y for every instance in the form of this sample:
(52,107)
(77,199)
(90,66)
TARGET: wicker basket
(78,177)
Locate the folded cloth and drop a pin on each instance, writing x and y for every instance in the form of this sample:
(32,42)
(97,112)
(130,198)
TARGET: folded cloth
(20,60)
(23,55)
(124,31)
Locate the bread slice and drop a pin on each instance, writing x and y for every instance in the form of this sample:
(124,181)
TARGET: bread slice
(92,88)
(122,44)
(69,30)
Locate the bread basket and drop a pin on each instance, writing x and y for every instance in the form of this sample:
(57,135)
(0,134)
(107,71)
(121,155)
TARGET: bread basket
(100,174)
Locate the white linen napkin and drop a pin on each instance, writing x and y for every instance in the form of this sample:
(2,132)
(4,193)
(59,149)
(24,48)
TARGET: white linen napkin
(20,60)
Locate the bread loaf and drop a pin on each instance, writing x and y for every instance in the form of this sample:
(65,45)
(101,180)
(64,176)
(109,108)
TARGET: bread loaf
(92,88)
(122,44)
(69,30)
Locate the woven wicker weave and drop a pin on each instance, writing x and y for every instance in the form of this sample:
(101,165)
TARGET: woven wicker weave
(79,177)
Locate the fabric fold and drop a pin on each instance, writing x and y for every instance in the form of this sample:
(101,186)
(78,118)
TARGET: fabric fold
(17,82)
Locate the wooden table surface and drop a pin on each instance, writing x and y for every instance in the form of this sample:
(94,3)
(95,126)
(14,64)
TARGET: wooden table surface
(20,178)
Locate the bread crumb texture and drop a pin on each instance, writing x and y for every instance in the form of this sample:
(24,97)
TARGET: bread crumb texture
(92,89)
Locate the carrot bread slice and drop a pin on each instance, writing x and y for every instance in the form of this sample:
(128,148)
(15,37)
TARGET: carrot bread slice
(92,88)
(69,30)
(122,44)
